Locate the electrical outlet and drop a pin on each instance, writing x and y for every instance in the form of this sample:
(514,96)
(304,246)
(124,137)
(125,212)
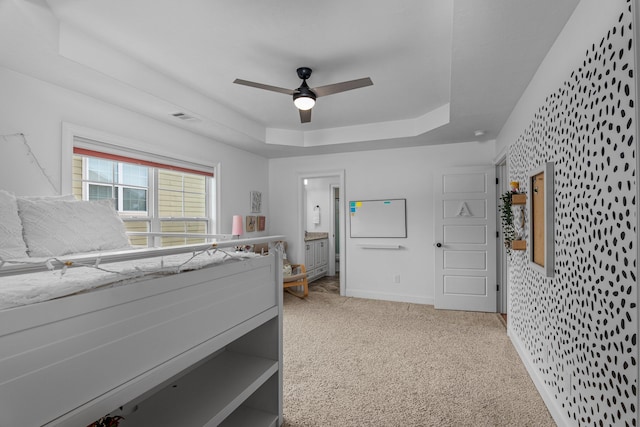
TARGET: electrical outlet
(396,278)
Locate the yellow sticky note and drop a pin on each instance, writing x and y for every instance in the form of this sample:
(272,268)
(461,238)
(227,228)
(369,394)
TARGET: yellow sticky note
(358,204)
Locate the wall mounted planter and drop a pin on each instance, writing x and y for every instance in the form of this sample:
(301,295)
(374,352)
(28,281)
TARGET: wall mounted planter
(519,245)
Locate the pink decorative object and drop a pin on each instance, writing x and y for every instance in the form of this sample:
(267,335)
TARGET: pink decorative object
(236,229)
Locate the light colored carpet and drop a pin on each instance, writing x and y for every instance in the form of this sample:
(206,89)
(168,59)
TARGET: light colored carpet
(358,362)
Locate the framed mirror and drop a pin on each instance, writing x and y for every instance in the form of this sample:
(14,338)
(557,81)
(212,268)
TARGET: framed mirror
(541,209)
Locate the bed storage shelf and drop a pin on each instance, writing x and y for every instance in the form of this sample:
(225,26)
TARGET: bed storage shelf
(215,333)
(250,417)
(209,394)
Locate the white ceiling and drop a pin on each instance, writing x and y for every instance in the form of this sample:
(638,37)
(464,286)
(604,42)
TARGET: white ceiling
(441,69)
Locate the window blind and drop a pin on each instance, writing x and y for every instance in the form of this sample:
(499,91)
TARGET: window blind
(138,161)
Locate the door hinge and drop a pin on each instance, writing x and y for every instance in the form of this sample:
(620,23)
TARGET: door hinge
(497,287)
(497,234)
(497,181)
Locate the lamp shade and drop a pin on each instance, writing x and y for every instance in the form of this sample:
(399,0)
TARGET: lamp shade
(236,228)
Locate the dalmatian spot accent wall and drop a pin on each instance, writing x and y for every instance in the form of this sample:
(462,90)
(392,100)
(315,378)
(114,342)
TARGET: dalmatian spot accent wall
(579,328)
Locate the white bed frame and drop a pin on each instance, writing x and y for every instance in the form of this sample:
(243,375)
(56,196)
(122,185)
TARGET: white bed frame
(199,348)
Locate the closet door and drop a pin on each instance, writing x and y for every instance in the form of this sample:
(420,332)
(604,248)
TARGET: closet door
(465,239)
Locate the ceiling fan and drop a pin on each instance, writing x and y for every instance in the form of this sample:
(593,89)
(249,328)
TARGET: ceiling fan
(304,97)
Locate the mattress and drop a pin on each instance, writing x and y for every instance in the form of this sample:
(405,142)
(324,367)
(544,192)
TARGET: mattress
(34,287)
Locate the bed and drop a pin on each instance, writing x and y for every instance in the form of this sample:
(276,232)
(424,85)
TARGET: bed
(166,336)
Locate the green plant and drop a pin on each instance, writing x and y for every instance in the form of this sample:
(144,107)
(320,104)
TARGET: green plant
(506,215)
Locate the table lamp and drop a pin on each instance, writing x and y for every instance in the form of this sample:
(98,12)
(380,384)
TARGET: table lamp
(236,229)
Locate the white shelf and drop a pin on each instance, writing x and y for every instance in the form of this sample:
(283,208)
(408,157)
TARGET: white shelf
(206,395)
(250,417)
(378,246)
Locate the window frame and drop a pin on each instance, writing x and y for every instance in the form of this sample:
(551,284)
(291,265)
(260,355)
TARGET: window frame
(541,220)
(93,140)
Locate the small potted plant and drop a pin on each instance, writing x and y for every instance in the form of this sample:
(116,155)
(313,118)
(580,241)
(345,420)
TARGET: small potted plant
(511,234)
(506,216)
(107,421)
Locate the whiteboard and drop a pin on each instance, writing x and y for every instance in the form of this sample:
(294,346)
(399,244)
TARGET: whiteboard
(378,218)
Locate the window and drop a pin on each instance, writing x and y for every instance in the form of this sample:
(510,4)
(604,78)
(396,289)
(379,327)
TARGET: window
(149,196)
(126,183)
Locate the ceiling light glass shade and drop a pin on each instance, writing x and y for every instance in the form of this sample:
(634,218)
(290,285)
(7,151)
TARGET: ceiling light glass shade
(304,102)
(304,98)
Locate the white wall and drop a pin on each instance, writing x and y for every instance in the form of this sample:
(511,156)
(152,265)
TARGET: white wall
(400,173)
(577,331)
(37,109)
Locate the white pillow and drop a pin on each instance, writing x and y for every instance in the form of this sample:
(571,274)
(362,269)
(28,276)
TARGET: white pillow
(11,242)
(60,227)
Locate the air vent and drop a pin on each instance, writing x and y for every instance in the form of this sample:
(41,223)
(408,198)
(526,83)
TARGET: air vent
(185,117)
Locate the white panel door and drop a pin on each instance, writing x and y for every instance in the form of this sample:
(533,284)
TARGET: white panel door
(465,233)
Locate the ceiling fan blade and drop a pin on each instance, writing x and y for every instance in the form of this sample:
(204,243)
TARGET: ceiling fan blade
(342,87)
(263,86)
(305,116)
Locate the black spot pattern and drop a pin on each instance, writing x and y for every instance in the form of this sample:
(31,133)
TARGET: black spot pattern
(580,327)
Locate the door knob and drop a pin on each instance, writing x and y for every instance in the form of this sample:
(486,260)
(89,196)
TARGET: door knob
(438,245)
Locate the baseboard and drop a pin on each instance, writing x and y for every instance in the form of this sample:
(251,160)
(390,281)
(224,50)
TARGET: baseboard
(386,296)
(552,405)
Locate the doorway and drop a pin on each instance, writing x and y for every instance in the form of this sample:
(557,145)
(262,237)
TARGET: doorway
(501,256)
(334,267)
(328,218)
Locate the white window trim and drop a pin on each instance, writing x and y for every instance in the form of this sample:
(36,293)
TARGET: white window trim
(97,140)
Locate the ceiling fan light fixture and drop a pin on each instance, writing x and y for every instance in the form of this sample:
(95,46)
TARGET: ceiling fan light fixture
(304,102)
(304,98)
